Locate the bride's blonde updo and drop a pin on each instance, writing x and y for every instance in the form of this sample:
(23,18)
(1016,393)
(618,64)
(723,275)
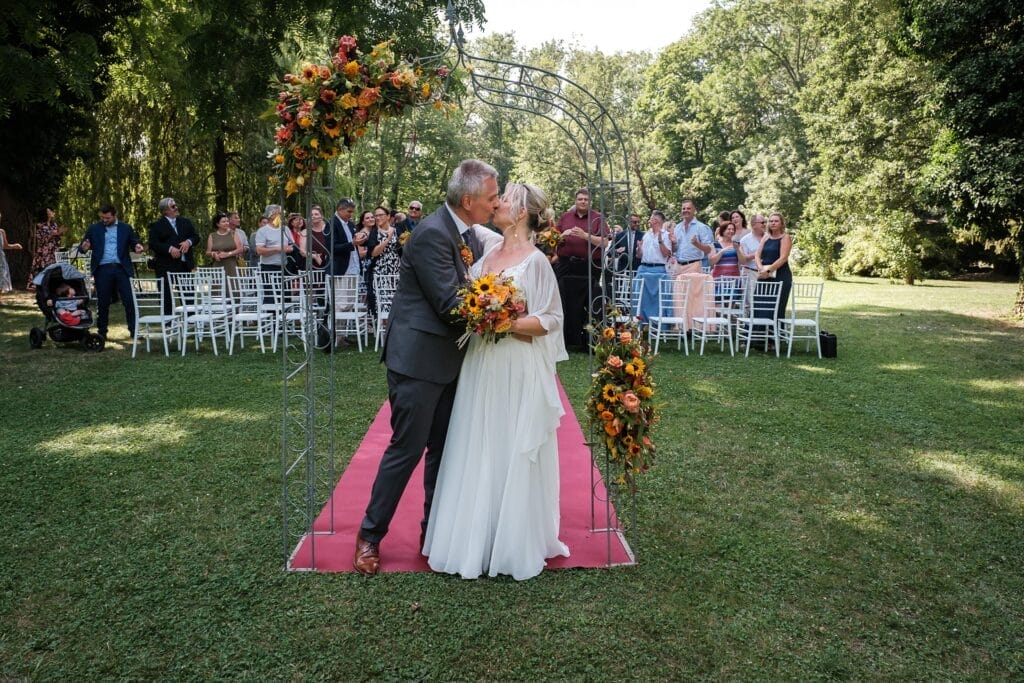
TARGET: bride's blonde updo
(534,200)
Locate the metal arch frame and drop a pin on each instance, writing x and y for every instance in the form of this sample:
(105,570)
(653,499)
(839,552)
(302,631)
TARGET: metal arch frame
(308,384)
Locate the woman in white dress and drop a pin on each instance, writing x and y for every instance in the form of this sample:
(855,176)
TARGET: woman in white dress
(495,507)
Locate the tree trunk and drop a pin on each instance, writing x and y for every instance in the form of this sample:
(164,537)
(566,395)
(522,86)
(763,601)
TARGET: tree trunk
(644,191)
(18,222)
(1018,307)
(220,172)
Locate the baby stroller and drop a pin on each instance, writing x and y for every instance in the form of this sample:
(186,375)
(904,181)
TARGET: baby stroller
(68,318)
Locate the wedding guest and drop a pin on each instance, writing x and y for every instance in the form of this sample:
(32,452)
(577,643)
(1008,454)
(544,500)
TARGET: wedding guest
(724,217)
(415,214)
(110,241)
(578,267)
(385,252)
(320,255)
(739,221)
(368,226)
(46,241)
(5,270)
(269,239)
(655,250)
(296,258)
(224,245)
(626,246)
(772,259)
(236,226)
(171,239)
(725,260)
(692,240)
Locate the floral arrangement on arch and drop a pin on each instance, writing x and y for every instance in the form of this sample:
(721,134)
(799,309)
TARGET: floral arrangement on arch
(549,240)
(621,401)
(327,106)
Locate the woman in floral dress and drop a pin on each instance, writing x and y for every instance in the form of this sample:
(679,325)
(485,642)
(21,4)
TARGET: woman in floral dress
(47,242)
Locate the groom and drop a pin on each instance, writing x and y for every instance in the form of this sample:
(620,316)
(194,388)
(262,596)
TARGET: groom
(420,350)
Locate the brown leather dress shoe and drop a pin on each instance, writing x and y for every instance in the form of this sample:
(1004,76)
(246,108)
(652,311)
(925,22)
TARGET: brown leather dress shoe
(367,558)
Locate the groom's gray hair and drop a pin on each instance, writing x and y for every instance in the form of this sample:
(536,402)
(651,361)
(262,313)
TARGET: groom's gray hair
(468,179)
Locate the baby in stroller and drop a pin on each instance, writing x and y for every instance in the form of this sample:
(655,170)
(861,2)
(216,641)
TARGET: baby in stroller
(62,297)
(68,306)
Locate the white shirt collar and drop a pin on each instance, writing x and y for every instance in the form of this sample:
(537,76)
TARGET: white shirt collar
(458,221)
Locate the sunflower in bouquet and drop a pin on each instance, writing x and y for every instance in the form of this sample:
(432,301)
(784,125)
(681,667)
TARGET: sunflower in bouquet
(549,240)
(621,403)
(488,306)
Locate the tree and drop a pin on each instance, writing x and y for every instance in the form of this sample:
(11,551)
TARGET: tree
(975,51)
(53,56)
(865,115)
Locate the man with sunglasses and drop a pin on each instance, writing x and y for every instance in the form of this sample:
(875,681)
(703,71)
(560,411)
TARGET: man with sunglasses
(171,239)
(412,218)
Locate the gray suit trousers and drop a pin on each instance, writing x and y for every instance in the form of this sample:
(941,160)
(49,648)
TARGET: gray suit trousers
(420,411)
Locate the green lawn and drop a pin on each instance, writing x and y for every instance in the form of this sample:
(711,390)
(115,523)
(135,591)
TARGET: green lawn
(853,518)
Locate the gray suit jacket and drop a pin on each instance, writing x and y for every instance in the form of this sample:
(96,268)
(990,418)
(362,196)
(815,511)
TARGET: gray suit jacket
(422,333)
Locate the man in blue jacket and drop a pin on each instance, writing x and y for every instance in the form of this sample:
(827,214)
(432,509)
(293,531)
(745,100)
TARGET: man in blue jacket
(111,266)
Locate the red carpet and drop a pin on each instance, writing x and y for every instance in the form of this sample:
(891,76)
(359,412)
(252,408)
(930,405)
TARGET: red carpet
(332,552)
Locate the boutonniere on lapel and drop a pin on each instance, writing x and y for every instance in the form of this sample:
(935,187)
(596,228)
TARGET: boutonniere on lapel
(465,252)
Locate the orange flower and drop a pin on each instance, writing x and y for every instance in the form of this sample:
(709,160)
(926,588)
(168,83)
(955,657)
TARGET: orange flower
(352,69)
(309,71)
(610,429)
(368,96)
(625,337)
(608,333)
(327,96)
(607,415)
(348,102)
(644,391)
(614,362)
(630,402)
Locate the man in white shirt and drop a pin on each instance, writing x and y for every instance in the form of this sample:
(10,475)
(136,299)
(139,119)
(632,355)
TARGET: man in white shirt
(692,241)
(748,248)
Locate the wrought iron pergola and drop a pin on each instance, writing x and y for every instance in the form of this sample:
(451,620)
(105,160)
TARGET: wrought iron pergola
(309,466)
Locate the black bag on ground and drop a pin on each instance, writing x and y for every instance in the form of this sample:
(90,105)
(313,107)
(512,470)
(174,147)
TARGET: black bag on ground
(828,344)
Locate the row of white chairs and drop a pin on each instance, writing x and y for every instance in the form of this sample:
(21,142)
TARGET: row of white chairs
(263,305)
(728,304)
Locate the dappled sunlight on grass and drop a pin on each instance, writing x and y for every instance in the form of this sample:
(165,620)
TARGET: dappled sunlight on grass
(901,367)
(860,519)
(115,439)
(996,384)
(821,370)
(235,415)
(959,470)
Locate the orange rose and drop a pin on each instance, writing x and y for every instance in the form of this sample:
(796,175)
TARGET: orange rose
(614,362)
(608,333)
(625,337)
(630,402)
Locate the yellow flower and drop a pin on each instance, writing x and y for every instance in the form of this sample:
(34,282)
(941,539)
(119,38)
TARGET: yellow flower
(291,187)
(348,101)
(426,90)
(279,159)
(314,143)
(635,367)
(352,69)
(484,285)
(644,391)
(608,333)
(609,393)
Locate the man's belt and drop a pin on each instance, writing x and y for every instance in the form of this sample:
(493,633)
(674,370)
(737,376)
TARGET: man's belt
(653,265)
(686,263)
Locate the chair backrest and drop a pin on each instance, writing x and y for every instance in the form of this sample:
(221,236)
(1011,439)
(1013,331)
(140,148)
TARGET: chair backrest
(271,286)
(384,286)
(346,295)
(672,296)
(183,288)
(806,300)
(764,300)
(212,279)
(62,256)
(148,296)
(245,292)
(729,292)
(706,270)
(622,290)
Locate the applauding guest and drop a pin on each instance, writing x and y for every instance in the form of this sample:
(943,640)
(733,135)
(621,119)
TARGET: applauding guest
(725,260)
(655,251)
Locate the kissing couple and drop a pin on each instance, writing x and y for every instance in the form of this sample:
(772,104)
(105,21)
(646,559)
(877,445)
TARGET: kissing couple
(486,414)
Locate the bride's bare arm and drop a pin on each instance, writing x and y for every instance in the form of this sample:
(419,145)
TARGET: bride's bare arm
(529,326)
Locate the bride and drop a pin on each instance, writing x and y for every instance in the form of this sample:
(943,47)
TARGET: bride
(495,506)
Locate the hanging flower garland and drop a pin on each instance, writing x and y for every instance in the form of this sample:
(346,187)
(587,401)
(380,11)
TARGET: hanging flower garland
(329,106)
(621,400)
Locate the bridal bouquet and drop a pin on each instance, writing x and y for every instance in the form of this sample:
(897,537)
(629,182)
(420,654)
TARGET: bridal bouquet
(621,403)
(549,240)
(489,305)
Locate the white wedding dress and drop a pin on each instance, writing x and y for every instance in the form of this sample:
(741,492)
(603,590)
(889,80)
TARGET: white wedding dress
(495,508)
